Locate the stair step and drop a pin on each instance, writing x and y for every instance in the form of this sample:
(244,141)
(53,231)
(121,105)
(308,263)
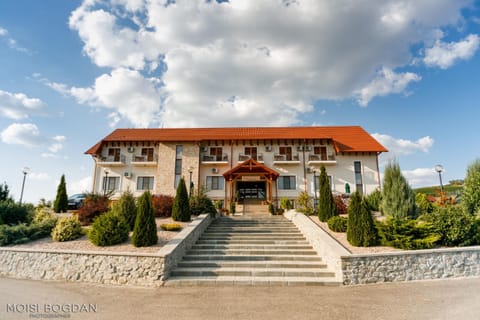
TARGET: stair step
(251,252)
(250,247)
(249,241)
(252,264)
(248,272)
(251,281)
(220,257)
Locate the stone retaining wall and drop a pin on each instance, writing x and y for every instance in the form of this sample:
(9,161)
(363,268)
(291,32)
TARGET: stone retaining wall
(102,267)
(411,265)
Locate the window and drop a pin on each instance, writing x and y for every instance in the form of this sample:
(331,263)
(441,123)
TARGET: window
(251,152)
(357,167)
(111,184)
(321,151)
(214,183)
(286,183)
(145,183)
(147,154)
(113,154)
(178,165)
(287,152)
(216,153)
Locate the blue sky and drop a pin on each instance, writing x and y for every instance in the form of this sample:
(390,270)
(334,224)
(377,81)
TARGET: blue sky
(72,71)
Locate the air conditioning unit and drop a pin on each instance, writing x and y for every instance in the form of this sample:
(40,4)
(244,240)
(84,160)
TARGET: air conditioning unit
(309,170)
(130,149)
(204,149)
(268,148)
(127,174)
(214,170)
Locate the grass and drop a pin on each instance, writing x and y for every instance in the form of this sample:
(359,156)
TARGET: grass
(450,189)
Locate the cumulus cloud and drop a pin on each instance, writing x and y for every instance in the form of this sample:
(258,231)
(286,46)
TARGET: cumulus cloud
(400,146)
(19,106)
(444,55)
(80,186)
(421,176)
(39,176)
(12,43)
(196,62)
(26,134)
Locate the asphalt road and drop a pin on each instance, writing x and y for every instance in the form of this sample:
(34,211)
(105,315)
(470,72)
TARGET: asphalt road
(443,299)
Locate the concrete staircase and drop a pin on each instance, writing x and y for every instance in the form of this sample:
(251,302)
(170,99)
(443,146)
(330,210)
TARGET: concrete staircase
(252,250)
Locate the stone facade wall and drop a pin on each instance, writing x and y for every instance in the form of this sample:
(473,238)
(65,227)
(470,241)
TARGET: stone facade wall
(411,265)
(150,270)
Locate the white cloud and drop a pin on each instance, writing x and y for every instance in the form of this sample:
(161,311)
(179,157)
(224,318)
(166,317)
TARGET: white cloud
(12,43)
(421,177)
(26,134)
(444,55)
(39,176)
(403,146)
(219,62)
(3,32)
(19,106)
(57,145)
(80,186)
(386,82)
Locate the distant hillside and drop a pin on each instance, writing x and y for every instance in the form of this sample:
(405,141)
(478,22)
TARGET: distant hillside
(451,189)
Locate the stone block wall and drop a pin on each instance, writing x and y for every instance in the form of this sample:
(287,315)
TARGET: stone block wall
(411,265)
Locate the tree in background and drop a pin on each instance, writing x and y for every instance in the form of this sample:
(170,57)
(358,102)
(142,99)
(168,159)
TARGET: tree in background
(145,230)
(181,205)
(326,205)
(398,199)
(127,208)
(471,194)
(5,192)
(61,201)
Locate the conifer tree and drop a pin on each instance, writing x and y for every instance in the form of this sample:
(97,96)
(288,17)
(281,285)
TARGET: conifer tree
(181,205)
(5,192)
(145,230)
(61,200)
(398,199)
(471,195)
(367,225)
(127,208)
(354,234)
(326,205)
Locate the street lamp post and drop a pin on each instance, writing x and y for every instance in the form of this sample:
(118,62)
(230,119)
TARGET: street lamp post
(105,183)
(190,171)
(314,186)
(439,169)
(25,171)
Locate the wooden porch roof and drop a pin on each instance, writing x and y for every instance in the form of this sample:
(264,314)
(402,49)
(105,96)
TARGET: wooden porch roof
(250,167)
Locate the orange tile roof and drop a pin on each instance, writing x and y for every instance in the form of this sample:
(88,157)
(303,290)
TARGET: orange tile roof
(345,138)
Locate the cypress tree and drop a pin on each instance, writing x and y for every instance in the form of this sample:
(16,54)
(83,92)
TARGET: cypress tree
(145,230)
(61,200)
(181,205)
(471,195)
(398,199)
(354,234)
(367,225)
(127,208)
(326,205)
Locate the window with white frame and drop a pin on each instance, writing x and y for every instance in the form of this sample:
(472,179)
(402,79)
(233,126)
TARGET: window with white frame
(178,164)
(214,183)
(286,183)
(111,184)
(357,166)
(144,183)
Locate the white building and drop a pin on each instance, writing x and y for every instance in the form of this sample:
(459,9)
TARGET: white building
(266,163)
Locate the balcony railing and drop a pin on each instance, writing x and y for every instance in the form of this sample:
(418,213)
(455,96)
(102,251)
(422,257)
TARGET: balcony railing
(113,160)
(321,158)
(215,158)
(144,160)
(244,157)
(286,158)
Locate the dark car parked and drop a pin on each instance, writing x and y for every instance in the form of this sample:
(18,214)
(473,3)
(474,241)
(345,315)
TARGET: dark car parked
(75,201)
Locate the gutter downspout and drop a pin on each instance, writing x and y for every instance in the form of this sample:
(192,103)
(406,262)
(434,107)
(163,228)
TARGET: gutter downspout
(378,173)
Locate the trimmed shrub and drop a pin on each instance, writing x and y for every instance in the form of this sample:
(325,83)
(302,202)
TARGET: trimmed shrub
(304,203)
(338,224)
(162,205)
(109,229)
(171,227)
(373,200)
(423,205)
(286,204)
(67,229)
(200,203)
(455,226)
(407,234)
(326,206)
(232,208)
(340,206)
(94,205)
(12,213)
(361,230)
(181,205)
(145,230)
(127,208)
(398,199)
(61,201)
(271,208)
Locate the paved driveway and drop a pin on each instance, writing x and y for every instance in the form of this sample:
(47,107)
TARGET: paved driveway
(445,299)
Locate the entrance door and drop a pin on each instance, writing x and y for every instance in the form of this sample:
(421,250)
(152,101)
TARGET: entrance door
(252,190)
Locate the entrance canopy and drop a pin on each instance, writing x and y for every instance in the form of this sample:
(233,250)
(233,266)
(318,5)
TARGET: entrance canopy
(251,168)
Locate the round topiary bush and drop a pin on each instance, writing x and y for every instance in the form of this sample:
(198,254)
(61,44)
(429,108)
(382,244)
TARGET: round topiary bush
(67,229)
(337,224)
(108,229)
